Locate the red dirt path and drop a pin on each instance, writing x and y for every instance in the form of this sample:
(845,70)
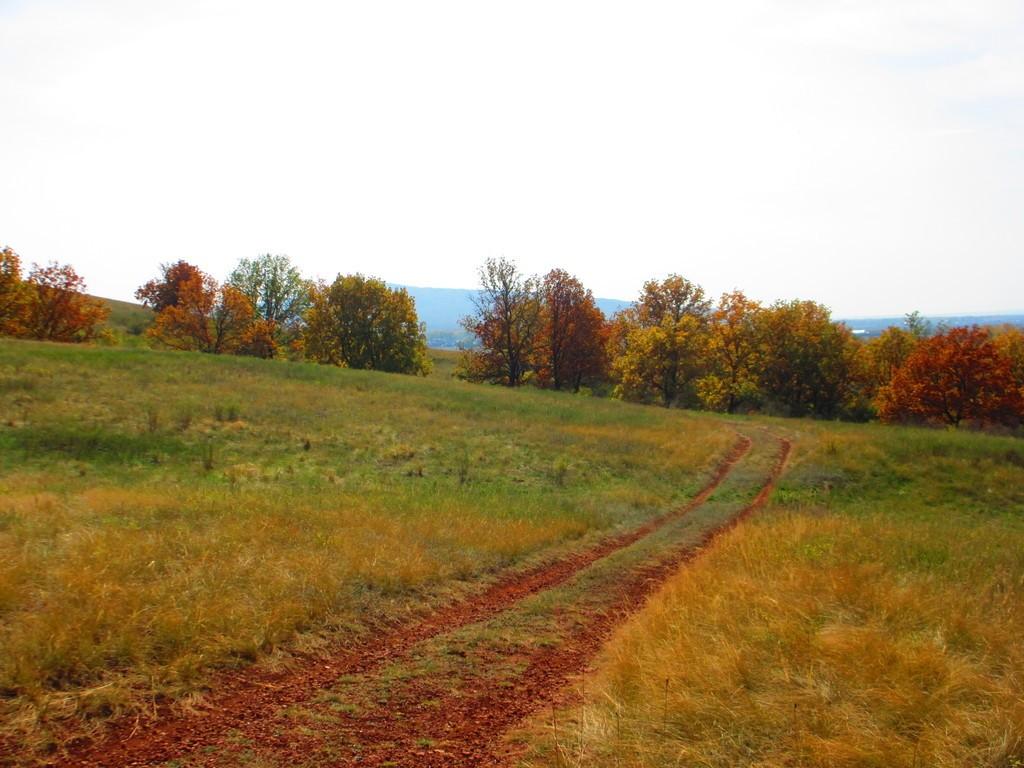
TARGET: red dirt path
(476,720)
(254,694)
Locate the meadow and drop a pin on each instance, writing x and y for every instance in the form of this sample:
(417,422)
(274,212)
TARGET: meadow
(872,616)
(168,517)
(164,515)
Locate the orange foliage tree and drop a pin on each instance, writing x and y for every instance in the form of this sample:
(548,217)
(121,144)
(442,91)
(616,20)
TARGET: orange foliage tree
(209,318)
(955,376)
(1010,342)
(571,347)
(58,309)
(13,294)
(732,350)
(163,292)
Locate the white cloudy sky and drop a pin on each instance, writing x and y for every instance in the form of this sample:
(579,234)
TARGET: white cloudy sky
(865,153)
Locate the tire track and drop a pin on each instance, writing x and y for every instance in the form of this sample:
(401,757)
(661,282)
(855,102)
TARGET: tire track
(245,699)
(474,722)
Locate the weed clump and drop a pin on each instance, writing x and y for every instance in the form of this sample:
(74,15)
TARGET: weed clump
(207,456)
(183,417)
(227,412)
(399,453)
(152,419)
(559,471)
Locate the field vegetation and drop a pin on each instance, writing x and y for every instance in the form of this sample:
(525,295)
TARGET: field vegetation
(163,514)
(873,617)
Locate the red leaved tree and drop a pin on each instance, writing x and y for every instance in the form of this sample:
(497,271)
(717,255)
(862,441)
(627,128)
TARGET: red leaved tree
(163,292)
(572,345)
(955,376)
(1010,342)
(207,318)
(58,309)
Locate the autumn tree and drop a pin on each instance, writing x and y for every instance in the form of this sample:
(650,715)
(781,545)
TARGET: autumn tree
(260,339)
(205,318)
(164,291)
(807,364)
(732,350)
(886,353)
(571,347)
(14,295)
(955,376)
(1009,340)
(277,291)
(58,308)
(659,342)
(506,323)
(917,325)
(359,322)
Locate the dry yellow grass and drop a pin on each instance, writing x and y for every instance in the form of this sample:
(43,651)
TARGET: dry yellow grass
(113,589)
(878,622)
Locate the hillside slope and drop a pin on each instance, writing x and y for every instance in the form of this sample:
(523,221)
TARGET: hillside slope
(163,514)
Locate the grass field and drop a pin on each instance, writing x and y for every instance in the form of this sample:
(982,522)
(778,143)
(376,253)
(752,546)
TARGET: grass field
(873,618)
(163,514)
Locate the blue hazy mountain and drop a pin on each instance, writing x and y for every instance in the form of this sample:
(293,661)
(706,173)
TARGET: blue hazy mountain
(873,326)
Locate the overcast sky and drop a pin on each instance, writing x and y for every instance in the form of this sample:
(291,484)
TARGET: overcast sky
(869,155)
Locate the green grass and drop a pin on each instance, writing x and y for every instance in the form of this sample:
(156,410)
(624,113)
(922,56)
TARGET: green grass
(128,321)
(444,362)
(163,514)
(872,617)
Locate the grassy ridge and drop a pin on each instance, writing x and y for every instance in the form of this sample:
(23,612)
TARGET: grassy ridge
(128,321)
(164,513)
(874,618)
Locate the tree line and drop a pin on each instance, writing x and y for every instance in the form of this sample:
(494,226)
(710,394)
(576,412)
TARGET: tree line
(49,303)
(674,346)
(265,308)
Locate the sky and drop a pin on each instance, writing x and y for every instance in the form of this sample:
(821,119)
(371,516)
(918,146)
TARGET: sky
(868,154)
